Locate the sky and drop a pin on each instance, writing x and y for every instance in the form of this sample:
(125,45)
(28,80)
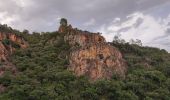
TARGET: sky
(147,20)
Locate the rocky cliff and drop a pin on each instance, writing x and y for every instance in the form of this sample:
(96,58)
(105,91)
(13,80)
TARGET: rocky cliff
(91,55)
(8,44)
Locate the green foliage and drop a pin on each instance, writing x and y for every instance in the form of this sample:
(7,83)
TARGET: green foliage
(148,71)
(43,73)
(6,29)
(5,80)
(63,22)
(8,42)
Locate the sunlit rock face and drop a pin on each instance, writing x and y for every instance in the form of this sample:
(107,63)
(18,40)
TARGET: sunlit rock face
(8,44)
(97,61)
(3,52)
(15,38)
(83,38)
(91,55)
(7,49)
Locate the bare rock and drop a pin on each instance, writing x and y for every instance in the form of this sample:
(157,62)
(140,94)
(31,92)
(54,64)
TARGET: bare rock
(7,49)
(91,55)
(97,61)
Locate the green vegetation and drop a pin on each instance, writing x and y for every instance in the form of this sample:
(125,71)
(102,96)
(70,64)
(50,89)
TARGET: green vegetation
(8,42)
(148,71)
(6,29)
(63,22)
(43,76)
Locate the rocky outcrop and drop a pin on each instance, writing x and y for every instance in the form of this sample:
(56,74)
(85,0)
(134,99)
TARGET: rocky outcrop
(8,44)
(97,60)
(83,37)
(14,38)
(3,52)
(75,36)
(91,55)
(7,41)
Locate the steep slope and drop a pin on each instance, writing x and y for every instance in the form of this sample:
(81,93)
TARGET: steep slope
(9,42)
(43,71)
(91,55)
(97,61)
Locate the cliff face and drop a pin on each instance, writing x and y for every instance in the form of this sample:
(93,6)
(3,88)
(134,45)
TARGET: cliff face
(97,60)
(14,38)
(92,56)
(78,37)
(7,42)
(3,52)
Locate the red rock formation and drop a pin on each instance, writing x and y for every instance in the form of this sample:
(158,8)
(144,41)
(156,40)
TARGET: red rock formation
(62,29)
(91,55)
(97,60)
(75,36)
(7,50)
(3,52)
(82,37)
(14,38)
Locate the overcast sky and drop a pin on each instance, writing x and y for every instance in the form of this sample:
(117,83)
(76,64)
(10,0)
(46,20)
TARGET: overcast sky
(147,20)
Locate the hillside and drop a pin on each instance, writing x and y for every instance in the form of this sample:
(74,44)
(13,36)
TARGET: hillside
(44,71)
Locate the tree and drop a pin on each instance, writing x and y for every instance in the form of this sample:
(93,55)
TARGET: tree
(136,42)
(63,22)
(25,31)
(117,39)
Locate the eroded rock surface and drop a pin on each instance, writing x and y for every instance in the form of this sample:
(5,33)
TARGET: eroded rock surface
(97,60)
(91,55)
(8,44)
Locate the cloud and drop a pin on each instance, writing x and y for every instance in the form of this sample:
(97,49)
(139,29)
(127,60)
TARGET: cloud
(43,15)
(5,19)
(152,31)
(36,15)
(91,22)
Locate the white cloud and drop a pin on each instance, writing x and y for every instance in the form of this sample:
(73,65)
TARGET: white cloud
(116,20)
(42,15)
(150,30)
(5,19)
(20,3)
(90,22)
(23,3)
